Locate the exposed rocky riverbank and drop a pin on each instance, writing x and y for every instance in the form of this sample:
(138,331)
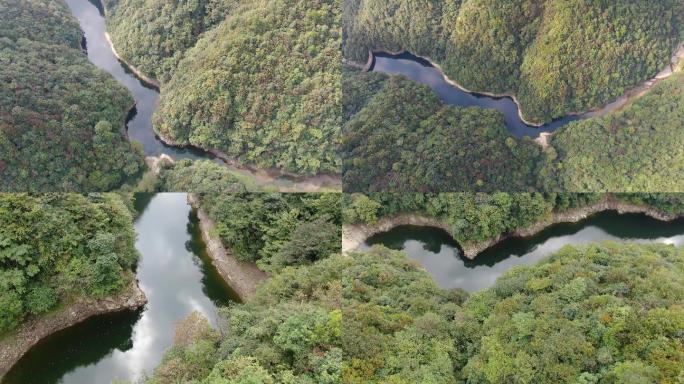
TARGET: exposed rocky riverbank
(354,236)
(154,162)
(243,277)
(638,91)
(267,177)
(371,59)
(138,73)
(31,332)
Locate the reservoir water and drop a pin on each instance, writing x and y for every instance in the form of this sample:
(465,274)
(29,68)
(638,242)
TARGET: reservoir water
(177,277)
(420,70)
(436,250)
(146,97)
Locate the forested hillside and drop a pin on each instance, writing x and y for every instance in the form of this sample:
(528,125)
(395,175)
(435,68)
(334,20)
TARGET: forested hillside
(475,217)
(155,34)
(56,26)
(637,149)
(257,80)
(199,176)
(399,136)
(423,28)
(54,248)
(556,56)
(276,230)
(61,119)
(598,313)
(297,312)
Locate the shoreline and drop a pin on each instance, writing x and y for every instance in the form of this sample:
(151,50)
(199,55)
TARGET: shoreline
(262,182)
(137,72)
(243,277)
(637,91)
(371,59)
(266,176)
(314,183)
(15,345)
(355,235)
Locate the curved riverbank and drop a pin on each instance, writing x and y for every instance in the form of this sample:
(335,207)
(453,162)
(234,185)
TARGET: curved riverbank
(269,176)
(244,277)
(371,61)
(145,91)
(15,345)
(265,176)
(353,236)
(637,91)
(137,72)
(262,176)
(154,83)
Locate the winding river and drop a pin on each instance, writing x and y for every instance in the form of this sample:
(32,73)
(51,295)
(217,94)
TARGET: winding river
(437,251)
(423,71)
(89,14)
(177,277)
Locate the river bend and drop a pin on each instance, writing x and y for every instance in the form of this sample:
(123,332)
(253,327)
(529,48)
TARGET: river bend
(177,277)
(440,255)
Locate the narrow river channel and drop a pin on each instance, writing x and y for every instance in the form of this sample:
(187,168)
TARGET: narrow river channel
(177,277)
(146,97)
(89,14)
(420,70)
(436,250)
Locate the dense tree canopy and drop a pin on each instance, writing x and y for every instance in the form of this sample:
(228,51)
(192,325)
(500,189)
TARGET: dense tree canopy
(274,229)
(637,149)
(56,247)
(40,21)
(199,176)
(61,118)
(423,27)
(258,80)
(604,313)
(397,321)
(155,34)
(399,136)
(557,56)
(598,313)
